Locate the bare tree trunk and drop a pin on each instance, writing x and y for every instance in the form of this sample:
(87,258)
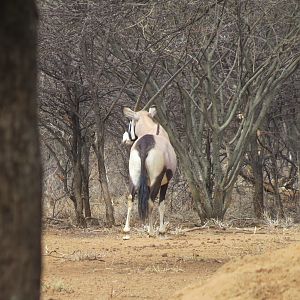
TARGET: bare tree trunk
(99,150)
(257,169)
(110,219)
(198,197)
(76,157)
(20,167)
(93,78)
(85,179)
(276,187)
(77,188)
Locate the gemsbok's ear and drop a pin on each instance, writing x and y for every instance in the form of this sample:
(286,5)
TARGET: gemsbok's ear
(130,113)
(152,111)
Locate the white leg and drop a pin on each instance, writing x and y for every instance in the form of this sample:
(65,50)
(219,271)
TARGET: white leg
(161,209)
(150,230)
(127,224)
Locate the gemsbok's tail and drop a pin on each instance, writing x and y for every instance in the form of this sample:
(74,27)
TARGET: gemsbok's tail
(143,193)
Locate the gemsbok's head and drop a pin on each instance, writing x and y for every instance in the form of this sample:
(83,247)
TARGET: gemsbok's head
(141,122)
(152,164)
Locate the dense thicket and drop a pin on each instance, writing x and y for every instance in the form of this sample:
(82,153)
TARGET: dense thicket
(219,73)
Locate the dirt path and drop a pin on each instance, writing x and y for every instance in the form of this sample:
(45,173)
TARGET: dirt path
(101,265)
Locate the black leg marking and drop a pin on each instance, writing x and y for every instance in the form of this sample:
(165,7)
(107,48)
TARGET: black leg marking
(169,174)
(154,189)
(132,189)
(163,191)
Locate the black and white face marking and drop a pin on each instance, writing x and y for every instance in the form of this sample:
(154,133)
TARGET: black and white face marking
(129,136)
(131,131)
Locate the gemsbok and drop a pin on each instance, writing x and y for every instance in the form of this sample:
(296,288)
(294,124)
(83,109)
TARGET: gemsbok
(152,164)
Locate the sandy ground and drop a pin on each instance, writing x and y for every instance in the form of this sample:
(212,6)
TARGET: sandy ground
(99,264)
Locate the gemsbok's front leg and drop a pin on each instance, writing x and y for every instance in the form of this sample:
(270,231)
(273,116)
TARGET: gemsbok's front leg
(129,209)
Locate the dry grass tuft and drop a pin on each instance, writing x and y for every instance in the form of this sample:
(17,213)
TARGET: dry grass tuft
(165,269)
(277,222)
(76,255)
(58,286)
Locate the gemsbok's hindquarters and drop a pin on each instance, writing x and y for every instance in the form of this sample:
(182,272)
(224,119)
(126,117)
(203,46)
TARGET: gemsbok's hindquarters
(152,164)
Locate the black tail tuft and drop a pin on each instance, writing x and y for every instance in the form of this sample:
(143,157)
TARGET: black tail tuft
(143,196)
(144,145)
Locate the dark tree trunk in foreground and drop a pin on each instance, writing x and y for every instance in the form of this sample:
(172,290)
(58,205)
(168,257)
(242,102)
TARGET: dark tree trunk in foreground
(20,168)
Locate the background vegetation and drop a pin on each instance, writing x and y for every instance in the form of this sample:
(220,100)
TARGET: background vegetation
(224,76)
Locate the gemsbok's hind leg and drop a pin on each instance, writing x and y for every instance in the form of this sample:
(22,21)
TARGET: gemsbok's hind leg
(134,182)
(129,209)
(162,208)
(154,190)
(150,217)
